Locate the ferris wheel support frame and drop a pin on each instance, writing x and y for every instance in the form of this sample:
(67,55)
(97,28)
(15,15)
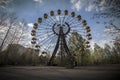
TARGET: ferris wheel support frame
(61,39)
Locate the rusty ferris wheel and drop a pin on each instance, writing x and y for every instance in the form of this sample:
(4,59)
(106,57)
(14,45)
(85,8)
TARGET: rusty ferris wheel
(52,31)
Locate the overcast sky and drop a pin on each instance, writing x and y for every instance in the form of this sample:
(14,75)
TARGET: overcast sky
(30,10)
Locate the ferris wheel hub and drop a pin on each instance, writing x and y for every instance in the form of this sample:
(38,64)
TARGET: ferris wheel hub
(56,28)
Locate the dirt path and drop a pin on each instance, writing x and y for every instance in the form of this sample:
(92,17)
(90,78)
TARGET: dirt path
(60,73)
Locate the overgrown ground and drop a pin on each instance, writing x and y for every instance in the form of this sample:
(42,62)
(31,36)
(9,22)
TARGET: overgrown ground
(101,72)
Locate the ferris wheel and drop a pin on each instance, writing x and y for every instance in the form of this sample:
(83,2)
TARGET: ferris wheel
(52,31)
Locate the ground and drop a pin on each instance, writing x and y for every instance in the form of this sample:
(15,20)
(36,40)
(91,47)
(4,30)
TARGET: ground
(104,72)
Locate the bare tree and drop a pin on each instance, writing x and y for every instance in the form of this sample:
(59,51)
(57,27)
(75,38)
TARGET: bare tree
(109,8)
(4,3)
(8,23)
(12,30)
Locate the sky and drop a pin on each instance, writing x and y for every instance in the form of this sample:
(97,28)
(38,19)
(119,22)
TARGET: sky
(30,10)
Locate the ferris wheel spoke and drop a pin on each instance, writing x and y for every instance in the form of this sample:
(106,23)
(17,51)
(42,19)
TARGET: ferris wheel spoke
(80,32)
(75,22)
(63,19)
(49,37)
(47,45)
(46,48)
(44,31)
(71,20)
(50,43)
(49,22)
(44,35)
(67,18)
(60,19)
(55,19)
(46,23)
(77,27)
(50,46)
(72,25)
(42,25)
(44,28)
(52,20)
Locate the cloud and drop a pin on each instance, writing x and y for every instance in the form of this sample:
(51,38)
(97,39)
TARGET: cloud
(85,4)
(30,25)
(103,42)
(28,35)
(39,1)
(90,8)
(92,44)
(77,4)
(88,5)
(111,30)
(26,41)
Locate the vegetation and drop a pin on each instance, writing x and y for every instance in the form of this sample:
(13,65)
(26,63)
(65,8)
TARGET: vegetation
(18,55)
(12,32)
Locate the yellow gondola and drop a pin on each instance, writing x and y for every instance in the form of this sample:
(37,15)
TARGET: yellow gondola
(66,12)
(88,30)
(33,34)
(89,38)
(45,16)
(33,31)
(52,13)
(39,20)
(87,42)
(59,11)
(35,26)
(37,46)
(79,17)
(73,14)
(34,38)
(87,27)
(87,46)
(88,35)
(33,42)
(84,23)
